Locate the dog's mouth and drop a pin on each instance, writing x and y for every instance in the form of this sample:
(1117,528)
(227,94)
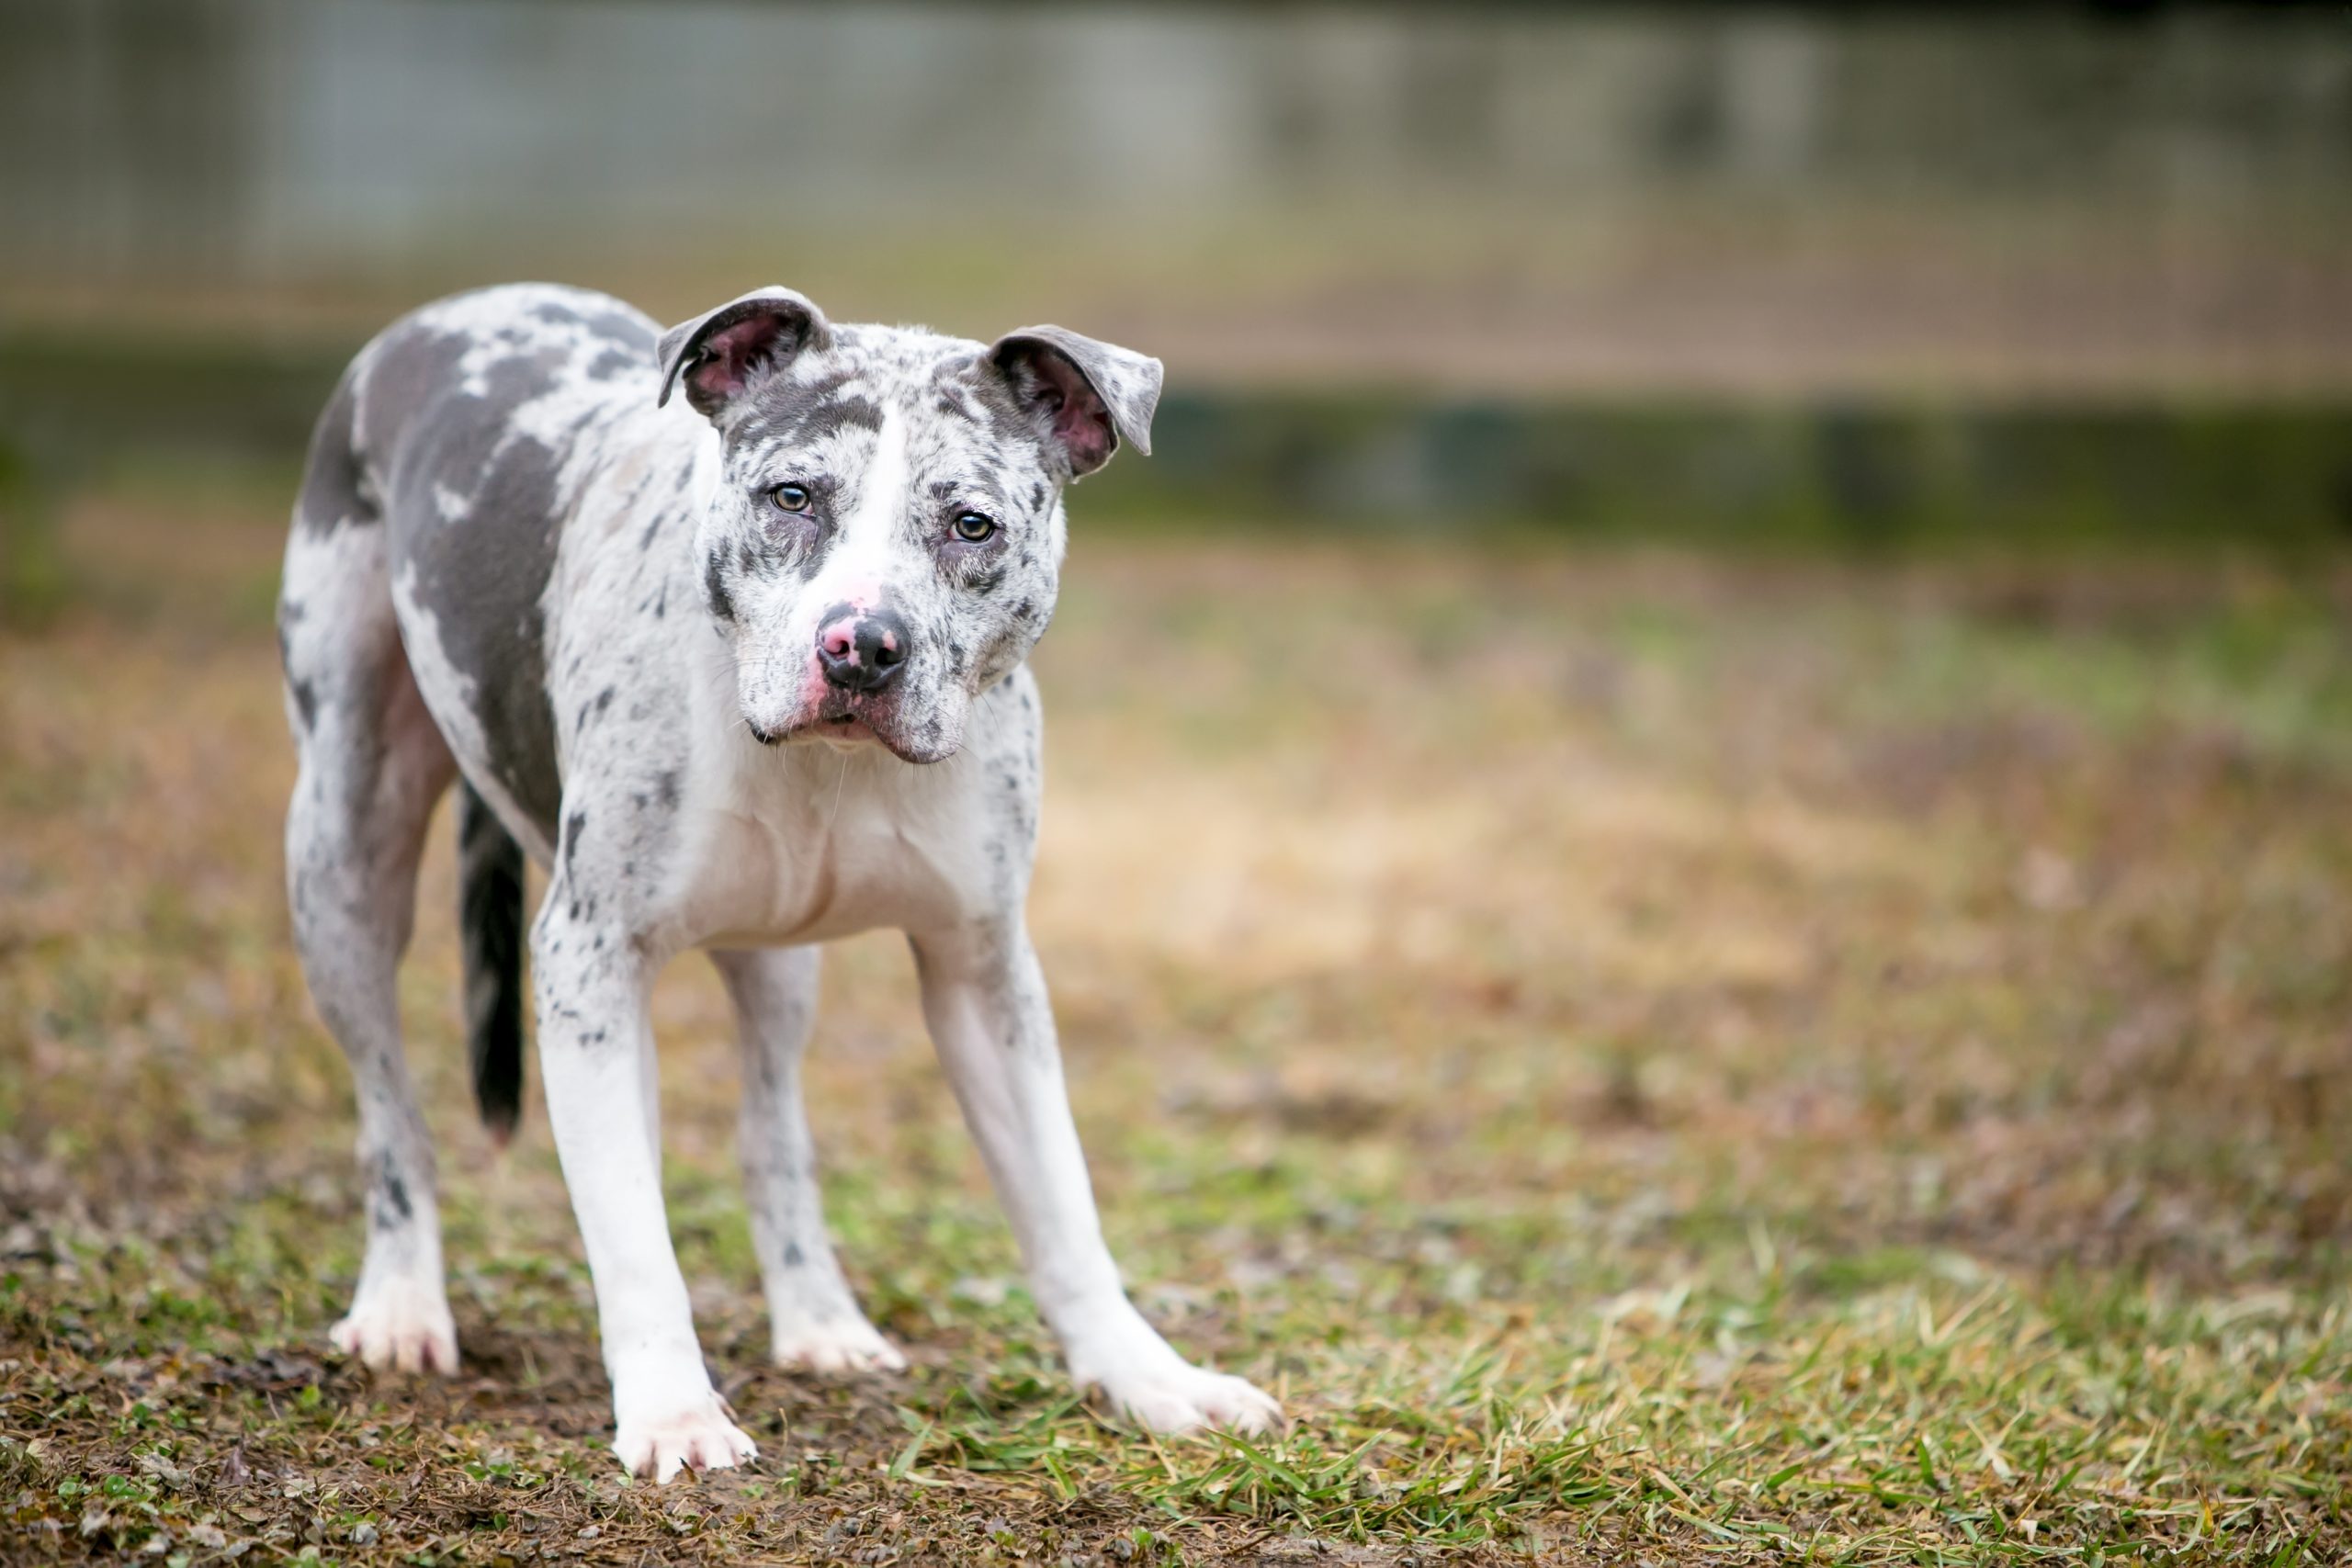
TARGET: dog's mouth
(846,720)
(844,729)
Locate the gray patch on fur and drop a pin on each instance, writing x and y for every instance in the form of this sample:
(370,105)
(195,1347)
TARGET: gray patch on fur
(443,442)
(334,493)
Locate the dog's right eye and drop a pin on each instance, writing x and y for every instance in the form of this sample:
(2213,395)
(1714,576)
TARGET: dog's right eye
(788,497)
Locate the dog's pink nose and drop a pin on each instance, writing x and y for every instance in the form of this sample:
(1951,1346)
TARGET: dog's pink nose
(862,651)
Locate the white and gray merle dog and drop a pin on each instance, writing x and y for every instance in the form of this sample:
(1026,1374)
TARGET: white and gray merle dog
(725,628)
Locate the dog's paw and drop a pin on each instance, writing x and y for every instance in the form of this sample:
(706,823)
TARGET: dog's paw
(844,1345)
(1174,1396)
(698,1437)
(401,1325)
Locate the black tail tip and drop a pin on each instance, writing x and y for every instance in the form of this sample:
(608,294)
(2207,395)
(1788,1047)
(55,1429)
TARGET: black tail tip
(501,1116)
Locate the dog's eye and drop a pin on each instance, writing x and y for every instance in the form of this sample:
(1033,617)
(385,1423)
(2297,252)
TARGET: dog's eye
(789,498)
(976,528)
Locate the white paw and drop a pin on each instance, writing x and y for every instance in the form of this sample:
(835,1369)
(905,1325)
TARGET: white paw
(399,1323)
(1173,1395)
(699,1438)
(844,1345)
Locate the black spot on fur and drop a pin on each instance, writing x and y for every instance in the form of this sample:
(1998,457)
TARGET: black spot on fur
(398,1209)
(792,1256)
(832,418)
(800,416)
(1009,418)
(785,403)
(714,588)
(306,704)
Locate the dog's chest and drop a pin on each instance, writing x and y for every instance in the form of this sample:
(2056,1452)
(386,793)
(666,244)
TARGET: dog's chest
(827,845)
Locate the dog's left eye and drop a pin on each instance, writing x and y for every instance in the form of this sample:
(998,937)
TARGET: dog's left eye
(975,528)
(788,497)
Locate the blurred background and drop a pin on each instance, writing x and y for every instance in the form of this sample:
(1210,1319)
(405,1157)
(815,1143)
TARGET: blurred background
(1770,959)
(1847,272)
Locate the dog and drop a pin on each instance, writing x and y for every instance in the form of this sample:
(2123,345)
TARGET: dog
(725,628)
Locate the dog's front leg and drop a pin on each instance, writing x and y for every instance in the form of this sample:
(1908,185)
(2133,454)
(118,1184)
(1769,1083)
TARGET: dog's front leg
(816,1322)
(985,999)
(596,1050)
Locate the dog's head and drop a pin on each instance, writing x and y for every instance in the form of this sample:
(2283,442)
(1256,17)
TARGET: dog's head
(887,539)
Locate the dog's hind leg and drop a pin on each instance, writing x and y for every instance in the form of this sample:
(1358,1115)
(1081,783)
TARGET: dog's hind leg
(372,767)
(814,1316)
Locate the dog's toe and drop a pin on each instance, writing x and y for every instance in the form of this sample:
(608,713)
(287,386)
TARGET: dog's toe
(1185,1398)
(1239,1406)
(698,1438)
(399,1325)
(842,1346)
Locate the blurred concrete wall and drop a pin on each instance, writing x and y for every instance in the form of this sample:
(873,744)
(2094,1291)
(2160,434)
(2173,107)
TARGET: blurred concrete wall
(1507,197)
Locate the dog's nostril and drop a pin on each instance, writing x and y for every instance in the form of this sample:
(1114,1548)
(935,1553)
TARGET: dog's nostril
(865,653)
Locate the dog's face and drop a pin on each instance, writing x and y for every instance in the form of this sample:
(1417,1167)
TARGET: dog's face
(888,539)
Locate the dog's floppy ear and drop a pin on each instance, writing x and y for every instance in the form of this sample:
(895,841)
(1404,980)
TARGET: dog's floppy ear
(723,353)
(1088,396)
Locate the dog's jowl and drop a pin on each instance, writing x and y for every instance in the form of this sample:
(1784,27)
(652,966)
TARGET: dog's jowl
(725,628)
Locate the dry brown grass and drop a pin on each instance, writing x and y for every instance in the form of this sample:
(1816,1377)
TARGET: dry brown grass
(1652,1056)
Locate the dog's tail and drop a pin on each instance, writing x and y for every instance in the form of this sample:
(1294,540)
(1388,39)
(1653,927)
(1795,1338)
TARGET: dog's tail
(490,923)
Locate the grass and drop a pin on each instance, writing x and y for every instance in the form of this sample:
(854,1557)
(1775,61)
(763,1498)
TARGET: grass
(1654,1059)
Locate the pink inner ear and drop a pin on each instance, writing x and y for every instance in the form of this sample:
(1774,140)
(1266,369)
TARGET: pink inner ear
(730,354)
(1081,422)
